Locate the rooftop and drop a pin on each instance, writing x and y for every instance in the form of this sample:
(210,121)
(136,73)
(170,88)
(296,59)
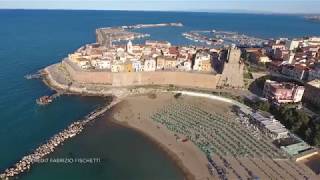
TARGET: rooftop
(315,83)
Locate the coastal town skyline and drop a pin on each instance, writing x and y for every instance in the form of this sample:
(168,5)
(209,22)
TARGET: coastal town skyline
(231,6)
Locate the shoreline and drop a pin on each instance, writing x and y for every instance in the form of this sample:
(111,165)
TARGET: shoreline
(127,93)
(25,164)
(186,155)
(173,157)
(148,100)
(195,167)
(48,147)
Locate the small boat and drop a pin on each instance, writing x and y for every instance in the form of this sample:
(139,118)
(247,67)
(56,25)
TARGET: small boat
(44,100)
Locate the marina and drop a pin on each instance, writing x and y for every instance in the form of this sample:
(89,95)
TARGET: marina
(108,35)
(198,37)
(241,40)
(224,38)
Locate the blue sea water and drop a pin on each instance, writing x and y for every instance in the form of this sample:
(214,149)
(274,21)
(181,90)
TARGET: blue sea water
(33,39)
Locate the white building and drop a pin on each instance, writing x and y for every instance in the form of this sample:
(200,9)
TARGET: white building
(269,125)
(187,65)
(116,67)
(147,51)
(122,58)
(291,58)
(294,44)
(200,57)
(121,55)
(137,66)
(101,64)
(314,41)
(83,63)
(150,65)
(264,59)
(160,44)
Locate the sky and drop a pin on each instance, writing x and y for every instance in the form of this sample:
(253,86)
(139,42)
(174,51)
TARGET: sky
(254,6)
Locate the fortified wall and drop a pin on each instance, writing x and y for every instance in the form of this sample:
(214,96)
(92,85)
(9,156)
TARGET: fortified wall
(181,79)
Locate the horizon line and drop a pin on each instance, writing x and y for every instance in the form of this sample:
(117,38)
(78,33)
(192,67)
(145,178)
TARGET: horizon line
(239,11)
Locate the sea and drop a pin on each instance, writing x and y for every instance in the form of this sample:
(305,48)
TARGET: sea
(33,39)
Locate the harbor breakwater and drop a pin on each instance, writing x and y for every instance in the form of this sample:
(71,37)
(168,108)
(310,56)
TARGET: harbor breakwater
(72,130)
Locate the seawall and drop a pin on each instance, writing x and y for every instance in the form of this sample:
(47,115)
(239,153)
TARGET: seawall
(180,79)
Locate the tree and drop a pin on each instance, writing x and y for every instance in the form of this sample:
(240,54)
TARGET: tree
(177,95)
(263,106)
(308,135)
(303,117)
(316,138)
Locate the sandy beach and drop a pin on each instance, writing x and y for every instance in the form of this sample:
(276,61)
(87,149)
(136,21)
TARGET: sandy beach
(135,112)
(202,125)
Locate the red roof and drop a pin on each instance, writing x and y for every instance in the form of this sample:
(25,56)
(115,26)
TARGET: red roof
(173,50)
(301,67)
(276,63)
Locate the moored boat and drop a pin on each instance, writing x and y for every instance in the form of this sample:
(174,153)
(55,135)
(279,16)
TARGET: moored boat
(44,100)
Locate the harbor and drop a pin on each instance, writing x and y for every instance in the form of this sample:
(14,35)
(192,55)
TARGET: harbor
(108,35)
(224,38)
(198,37)
(43,150)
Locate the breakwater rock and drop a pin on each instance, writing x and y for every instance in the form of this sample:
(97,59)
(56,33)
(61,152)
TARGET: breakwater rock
(72,130)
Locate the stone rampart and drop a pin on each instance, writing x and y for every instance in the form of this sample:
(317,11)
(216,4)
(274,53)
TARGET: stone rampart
(182,79)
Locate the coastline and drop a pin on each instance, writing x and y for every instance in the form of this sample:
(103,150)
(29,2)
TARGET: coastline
(149,100)
(48,147)
(36,121)
(174,157)
(186,155)
(51,82)
(189,175)
(195,168)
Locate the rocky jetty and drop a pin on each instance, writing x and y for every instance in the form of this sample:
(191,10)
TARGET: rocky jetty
(72,130)
(313,18)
